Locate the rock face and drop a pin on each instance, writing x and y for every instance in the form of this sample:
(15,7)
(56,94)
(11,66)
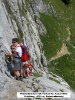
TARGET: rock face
(18,19)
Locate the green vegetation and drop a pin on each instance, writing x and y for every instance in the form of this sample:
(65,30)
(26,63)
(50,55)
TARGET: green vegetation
(36,90)
(56,34)
(27,4)
(7,7)
(22,10)
(61,90)
(65,67)
(37,74)
(20,37)
(54,80)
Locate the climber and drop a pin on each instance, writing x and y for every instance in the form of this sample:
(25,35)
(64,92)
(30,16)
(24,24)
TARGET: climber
(10,59)
(27,69)
(16,54)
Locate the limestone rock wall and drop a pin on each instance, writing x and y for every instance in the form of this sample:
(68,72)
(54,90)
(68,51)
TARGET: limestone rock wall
(17,20)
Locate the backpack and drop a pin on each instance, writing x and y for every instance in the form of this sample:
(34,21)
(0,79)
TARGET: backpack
(25,53)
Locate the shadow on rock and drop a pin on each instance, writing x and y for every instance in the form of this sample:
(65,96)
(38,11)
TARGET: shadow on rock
(10,67)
